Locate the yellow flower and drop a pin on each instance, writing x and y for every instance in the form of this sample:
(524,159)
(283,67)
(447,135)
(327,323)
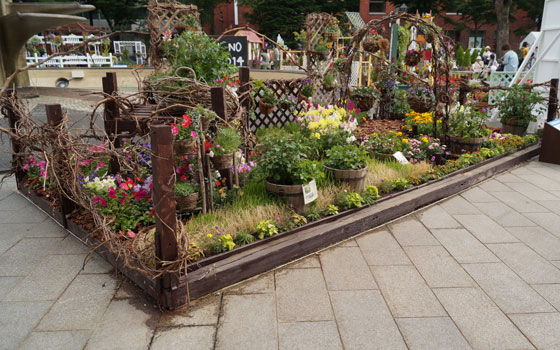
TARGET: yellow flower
(208,235)
(424,139)
(316,135)
(405,140)
(409,129)
(399,133)
(374,134)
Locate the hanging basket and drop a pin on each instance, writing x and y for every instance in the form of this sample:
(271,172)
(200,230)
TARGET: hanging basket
(223,161)
(183,147)
(265,108)
(430,37)
(332,36)
(187,203)
(412,58)
(419,104)
(302,98)
(371,45)
(329,87)
(364,102)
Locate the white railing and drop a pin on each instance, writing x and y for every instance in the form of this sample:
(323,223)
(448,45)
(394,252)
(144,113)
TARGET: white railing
(71,39)
(73,61)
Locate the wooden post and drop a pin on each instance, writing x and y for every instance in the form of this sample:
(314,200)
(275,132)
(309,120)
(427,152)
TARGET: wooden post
(164,206)
(219,101)
(13,119)
(55,119)
(552,100)
(110,115)
(244,78)
(463,91)
(209,189)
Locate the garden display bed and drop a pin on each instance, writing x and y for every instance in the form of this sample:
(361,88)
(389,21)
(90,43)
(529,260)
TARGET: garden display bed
(218,271)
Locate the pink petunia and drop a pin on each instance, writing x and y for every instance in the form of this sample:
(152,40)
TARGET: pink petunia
(131,234)
(193,134)
(100,200)
(25,167)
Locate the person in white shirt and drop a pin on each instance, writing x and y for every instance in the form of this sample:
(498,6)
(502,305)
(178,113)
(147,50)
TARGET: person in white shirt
(491,66)
(478,66)
(486,54)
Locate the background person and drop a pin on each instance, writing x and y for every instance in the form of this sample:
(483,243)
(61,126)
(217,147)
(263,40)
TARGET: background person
(510,60)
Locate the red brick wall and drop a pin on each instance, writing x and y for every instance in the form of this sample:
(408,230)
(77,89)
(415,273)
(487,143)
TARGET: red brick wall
(224,18)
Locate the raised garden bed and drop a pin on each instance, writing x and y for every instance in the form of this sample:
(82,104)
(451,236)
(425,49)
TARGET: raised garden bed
(218,271)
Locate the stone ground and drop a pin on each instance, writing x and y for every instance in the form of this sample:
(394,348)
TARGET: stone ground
(479,270)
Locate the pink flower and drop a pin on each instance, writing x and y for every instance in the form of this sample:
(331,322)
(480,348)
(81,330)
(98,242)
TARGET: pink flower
(131,234)
(193,134)
(277,218)
(100,200)
(217,146)
(85,162)
(25,167)
(112,193)
(174,129)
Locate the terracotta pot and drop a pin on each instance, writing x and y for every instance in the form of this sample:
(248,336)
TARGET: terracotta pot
(183,147)
(516,127)
(223,162)
(186,203)
(356,179)
(458,145)
(265,108)
(293,194)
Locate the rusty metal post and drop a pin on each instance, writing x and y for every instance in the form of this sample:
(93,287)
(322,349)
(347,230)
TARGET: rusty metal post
(55,119)
(552,100)
(164,207)
(110,117)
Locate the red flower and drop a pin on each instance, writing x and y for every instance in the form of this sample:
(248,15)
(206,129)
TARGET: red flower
(218,183)
(186,121)
(207,146)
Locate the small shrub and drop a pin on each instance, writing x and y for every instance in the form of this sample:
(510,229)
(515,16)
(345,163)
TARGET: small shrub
(331,210)
(227,141)
(371,194)
(312,214)
(243,238)
(266,228)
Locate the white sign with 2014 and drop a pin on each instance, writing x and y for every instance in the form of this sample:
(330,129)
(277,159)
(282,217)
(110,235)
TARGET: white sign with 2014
(237,47)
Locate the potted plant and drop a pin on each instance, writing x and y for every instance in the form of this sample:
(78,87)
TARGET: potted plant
(420,99)
(339,64)
(320,50)
(184,136)
(267,100)
(285,169)
(306,92)
(382,146)
(348,164)
(227,142)
(468,129)
(399,106)
(202,115)
(332,32)
(364,97)
(186,196)
(287,102)
(189,23)
(375,42)
(412,58)
(517,107)
(329,82)
(434,150)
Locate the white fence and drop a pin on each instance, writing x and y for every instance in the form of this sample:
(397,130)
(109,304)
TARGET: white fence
(73,61)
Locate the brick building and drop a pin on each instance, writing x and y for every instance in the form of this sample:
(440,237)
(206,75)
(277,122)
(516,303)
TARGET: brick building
(375,9)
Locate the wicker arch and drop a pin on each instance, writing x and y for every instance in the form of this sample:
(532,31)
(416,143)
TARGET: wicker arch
(440,68)
(163,16)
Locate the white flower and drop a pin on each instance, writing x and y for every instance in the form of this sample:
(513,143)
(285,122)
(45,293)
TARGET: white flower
(351,139)
(211,154)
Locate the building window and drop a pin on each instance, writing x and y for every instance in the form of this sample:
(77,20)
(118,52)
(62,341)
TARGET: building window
(376,6)
(476,41)
(454,35)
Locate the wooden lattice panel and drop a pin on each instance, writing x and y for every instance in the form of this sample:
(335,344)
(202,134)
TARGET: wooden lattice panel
(163,16)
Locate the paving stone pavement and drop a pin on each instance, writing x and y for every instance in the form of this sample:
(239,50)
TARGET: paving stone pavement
(480,270)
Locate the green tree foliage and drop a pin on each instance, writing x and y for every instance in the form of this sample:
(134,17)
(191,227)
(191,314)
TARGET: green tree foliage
(459,55)
(206,9)
(467,58)
(284,17)
(474,54)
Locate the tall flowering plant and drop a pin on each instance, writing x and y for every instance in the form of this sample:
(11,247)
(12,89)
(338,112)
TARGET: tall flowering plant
(324,120)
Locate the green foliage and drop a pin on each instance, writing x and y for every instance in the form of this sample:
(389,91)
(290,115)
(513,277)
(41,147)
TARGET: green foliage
(199,112)
(469,122)
(208,59)
(350,200)
(266,228)
(331,210)
(227,242)
(474,55)
(467,58)
(329,80)
(312,214)
(227,141)
(400,105)
(184,189)
(459,55)
(242,238)
(519,103)
(366,90)
(307,90)
(346,157)
(296,220)
(371,194)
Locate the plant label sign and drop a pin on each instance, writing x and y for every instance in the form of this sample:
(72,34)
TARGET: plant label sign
(555,124)
(399,156)
(310,192)
(237,47)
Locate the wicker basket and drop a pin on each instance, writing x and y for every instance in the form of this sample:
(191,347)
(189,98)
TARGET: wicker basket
(183,147)
(419,104)
(223,161)
(412,58)
(371,45)
(187,203)
(265,108)
(364,102)
(302,98)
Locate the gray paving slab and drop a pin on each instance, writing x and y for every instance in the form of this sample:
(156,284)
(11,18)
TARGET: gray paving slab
(438,268)
(542,329)
(7,284)
(463,246)
(410,232)
(508,177)
(543,182)
(432,333)
(550,173)
(551,292)
(406,293)
(308,336)
(479,319)
(14,202)
(507,290)
(18,319)
(7,241)
(95,263)
(20,259)
(306,263)
(82,305)
(348,243)
(191,338)
(61,340)
(124,326)
(202,312)
(261,284)
(436,217)
(519,202)
(485,229)
(458,205)
(381,248)
(302,296)
(539,239)
(530,266)
(345,268)
(477,195)
(553,206)
(549,221)
(242,315)
(48,280)
(522,170)
(504,215)
(127,290)
(531,191)
(72,245)
(364,321)
(27,214)
(493,185)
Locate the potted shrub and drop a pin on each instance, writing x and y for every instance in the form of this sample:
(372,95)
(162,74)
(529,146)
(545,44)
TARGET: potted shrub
(285,170)
(267,101)
(420,99)
(332,32)
(467,129)
(348,164)
(383,146)
(202,115)
(364,97)
(225,144)
(186,196)
(329,82)
(517,107)
(287,102)
(306,92)
(184,136)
